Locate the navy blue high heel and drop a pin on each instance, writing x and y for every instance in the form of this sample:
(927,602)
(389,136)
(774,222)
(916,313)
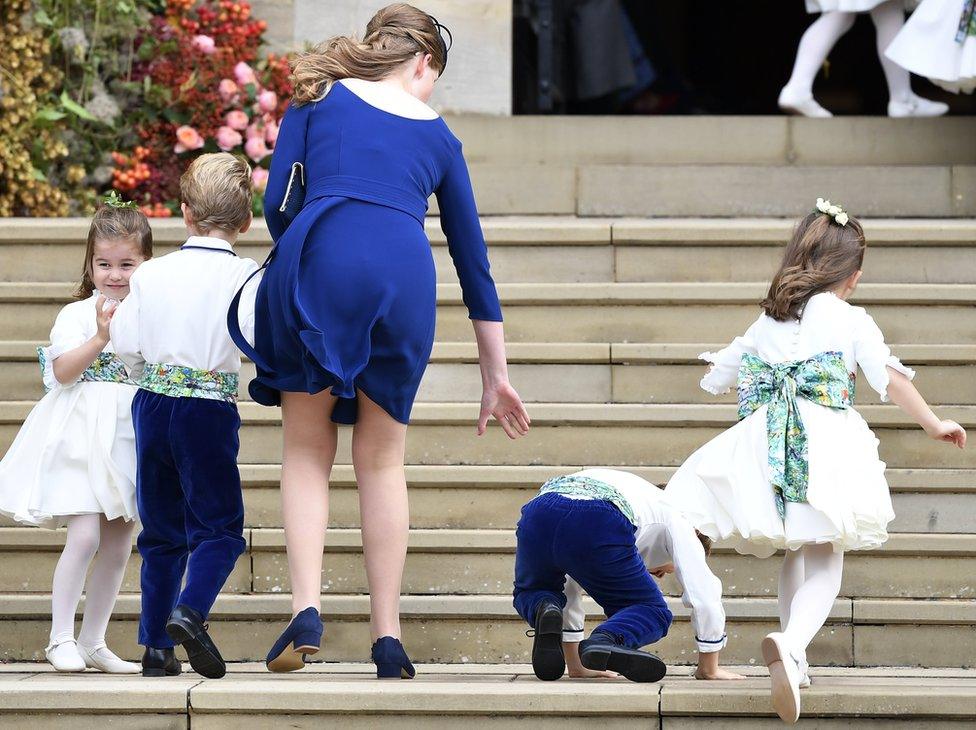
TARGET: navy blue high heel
(304,633)
(391,660)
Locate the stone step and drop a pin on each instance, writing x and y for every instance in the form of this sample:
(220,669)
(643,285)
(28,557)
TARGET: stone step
(479,562)
(937,501)
(505,696)
(569,249)
(761,190)
(625,434)
(581,373)
(462,629)
(502,696)
(621,312)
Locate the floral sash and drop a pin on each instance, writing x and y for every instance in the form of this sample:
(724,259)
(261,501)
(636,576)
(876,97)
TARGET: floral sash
(822,379)
(967,22)
(107,368)
(178,381)
(591,488)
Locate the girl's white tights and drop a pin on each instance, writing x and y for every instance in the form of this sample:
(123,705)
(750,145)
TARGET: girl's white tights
(109,544)
(823,34)
(809,581)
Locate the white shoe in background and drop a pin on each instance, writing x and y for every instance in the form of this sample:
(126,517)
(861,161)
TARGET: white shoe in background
(65,657)
(805,106)
(100,657)
(916,106)
(784,677)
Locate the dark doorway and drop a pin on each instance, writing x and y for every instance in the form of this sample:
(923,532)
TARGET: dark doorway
(706,57)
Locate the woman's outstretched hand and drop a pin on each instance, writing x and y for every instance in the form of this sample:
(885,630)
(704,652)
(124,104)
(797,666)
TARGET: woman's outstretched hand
(502,402)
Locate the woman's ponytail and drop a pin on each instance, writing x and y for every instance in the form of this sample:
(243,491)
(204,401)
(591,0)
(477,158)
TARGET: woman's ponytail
(396,34)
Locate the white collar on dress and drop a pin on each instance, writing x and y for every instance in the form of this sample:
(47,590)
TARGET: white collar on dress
(210,242)
(390,99)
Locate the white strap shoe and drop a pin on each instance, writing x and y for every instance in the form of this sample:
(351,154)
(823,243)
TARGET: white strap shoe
(805,106)
(784,676)
(916,106)
(100,657)
(65,657)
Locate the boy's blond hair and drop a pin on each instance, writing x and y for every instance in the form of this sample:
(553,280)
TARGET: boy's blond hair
(217,191)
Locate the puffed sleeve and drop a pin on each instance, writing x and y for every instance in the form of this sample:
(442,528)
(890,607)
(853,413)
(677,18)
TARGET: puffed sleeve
(70,330)
(289,149)
(245,310)
(874,356)
(124,330)
(574,616)
(725,371)
(701,589)
(466,241)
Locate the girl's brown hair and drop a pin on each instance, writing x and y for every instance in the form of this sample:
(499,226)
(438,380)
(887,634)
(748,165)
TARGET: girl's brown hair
(111,223)
(820,256)
(394,36)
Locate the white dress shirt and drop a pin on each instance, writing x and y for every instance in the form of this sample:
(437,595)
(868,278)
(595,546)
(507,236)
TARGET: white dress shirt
(663,536)
(176,310)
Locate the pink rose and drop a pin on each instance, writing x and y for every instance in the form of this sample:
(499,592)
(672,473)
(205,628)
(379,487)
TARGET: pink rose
(260,178)
(228,139)
(228,90)
(256,149)
(268,101)
(271,133)
(244,74)
(205,44)
(254,131)
(187,138)
(236,119)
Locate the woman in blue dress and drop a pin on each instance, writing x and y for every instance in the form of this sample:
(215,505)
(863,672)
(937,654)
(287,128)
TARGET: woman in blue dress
(344,320)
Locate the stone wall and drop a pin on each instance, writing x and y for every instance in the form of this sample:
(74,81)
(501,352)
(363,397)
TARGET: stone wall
(479,73)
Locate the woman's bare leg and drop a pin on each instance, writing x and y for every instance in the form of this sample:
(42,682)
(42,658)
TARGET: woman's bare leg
(306,465)
(378,443)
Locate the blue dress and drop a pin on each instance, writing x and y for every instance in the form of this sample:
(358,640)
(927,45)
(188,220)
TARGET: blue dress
(348,301)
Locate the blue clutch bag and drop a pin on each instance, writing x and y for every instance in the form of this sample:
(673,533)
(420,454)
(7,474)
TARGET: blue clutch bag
(294,194)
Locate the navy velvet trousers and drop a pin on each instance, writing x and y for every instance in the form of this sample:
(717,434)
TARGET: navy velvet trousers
(593,542)
(188,490)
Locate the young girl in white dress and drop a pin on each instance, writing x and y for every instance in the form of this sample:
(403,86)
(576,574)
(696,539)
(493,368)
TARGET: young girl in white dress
(837,17)
(939,42)
(73,461)
(800,471)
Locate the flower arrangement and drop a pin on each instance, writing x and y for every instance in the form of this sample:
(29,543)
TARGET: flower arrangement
(225,98)
(123,94)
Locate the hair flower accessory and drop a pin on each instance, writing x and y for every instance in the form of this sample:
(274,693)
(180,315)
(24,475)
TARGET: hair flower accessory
(113,200)
(838,214)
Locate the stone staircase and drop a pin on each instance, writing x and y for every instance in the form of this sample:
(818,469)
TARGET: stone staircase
(605,316)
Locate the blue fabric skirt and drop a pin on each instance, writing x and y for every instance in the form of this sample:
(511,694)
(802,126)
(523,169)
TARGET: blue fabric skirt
(349,303)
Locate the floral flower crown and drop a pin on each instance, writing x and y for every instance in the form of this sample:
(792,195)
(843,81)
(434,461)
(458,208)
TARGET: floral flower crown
(113,200)
(834,211)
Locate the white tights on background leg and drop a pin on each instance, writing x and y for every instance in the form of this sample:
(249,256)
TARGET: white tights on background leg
(80,547)
(101,591)
(791,577)
(812,602)
(815,45)
(889,18)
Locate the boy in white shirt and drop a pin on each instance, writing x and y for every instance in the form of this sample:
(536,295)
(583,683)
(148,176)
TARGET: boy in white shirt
(609,531)
(171,331)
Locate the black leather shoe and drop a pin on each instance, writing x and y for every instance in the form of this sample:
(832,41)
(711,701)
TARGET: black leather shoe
(186,627)
(548,661)
(602,652)
(160,663)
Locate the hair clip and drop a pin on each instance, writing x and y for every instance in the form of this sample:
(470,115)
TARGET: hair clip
(113,200)
(834,211)
(441,30)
